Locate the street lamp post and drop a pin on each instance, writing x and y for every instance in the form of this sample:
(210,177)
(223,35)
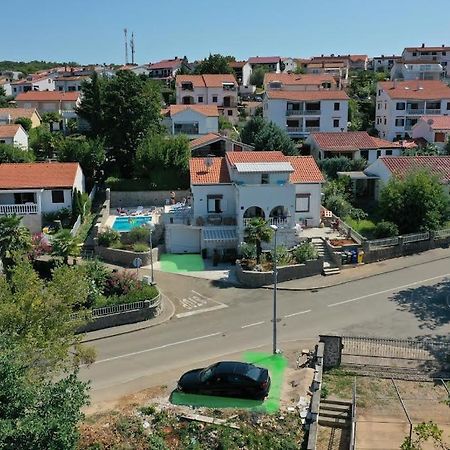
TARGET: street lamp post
(274,338)
(151,228)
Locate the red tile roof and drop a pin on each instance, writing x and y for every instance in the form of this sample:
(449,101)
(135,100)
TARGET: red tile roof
(264,59)
(256,157)
(307,95)
(166,64)
(217,173)
(207,80)
(9,131)
(435,122)
(416,89)
(428,49)
(292,79)
(205,110)
(305,170)
(350,141)
(206,139)
(48,96)
(401,165)
(237,64)
(15,113)
(37,175)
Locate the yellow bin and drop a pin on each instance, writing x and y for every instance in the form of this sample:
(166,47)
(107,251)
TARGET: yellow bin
(360,256)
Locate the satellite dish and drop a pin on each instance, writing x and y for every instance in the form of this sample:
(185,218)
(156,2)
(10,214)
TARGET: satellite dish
(430,121)
(208,162)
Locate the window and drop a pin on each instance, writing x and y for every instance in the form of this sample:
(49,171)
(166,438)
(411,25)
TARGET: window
(337,106)
(15,89)
(448,105)
(400,106)
(399,122)
(302,202)
(336,123)
(214,99)
(264,178)
(24,197)
(439,137)
(200,99)
(414,54)
(60,88)
(379,91)
(71,88)
(378,153)
(57,196)
(230,112)
(365,154)
(385,121)
(2,141)
(388,152)
(214,203)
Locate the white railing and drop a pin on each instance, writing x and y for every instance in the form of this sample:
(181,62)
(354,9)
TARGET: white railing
(441,234)
(294,130)
(432,111)
(30,208)
(270,221)
(415,237)
(388,242)
(294,112)
(311,129)
(311,112)
(415,111)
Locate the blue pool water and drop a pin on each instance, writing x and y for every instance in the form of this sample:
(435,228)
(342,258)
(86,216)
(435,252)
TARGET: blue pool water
(126,223)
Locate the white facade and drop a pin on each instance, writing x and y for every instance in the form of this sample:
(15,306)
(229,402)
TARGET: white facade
(191,123)
(397,114)
(40,84)
(433,54)
(69,84)
(289,64)
(416,71)
(384,63)
(246,73)
(18,138)
(428,131)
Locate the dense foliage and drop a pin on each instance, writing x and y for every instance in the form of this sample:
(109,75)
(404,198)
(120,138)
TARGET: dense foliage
(385,229)
(214,64)
(257,232)
(331,166)
(25,122)
(11,154)
(32,66)
(257,76)
(305,252)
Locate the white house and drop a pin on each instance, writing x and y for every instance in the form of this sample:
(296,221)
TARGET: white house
(416,70)
(167,68)
(220,90)
(439,54)
(303,112)
(31,189)
(227,192)
(384,63)
(299,82)
(192,120)
(400,104)
(289,64)
(434,129)
(41,83)
(14,135)
(269,63)
(215,144)
(352,144)
(70,83)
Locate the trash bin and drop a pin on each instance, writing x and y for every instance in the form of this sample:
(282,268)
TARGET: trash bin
(360,256)
(354,257)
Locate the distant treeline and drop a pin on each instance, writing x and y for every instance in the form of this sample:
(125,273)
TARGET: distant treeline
(32,66)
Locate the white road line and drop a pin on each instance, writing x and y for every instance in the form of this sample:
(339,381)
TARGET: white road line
(207,298)
(252,324)
(298,313)
(199,311)
(157,348)
(388,290)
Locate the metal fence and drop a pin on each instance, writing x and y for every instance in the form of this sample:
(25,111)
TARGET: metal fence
(441,234)
(387,242)
(415,237)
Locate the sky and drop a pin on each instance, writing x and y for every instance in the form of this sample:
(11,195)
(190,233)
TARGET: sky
(91,31)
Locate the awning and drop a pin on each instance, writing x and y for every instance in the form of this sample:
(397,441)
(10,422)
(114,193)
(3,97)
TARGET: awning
(219,234)
(358,175)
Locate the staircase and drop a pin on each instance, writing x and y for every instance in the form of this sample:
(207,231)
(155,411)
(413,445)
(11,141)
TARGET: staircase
(335,413)
(329,268)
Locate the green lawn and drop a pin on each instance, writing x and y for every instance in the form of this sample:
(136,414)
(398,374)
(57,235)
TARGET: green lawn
(276,364)
(364,227)
(181,263)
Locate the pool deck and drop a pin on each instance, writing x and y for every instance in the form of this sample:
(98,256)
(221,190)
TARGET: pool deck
(155,215)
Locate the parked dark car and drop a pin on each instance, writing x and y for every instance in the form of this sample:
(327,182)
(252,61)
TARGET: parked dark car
(227,379)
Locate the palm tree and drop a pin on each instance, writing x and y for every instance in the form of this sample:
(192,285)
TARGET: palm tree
(14,238)
(256,232)
(65,245)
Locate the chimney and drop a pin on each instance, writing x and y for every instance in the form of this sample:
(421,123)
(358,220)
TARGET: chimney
(423,45)
(443,45)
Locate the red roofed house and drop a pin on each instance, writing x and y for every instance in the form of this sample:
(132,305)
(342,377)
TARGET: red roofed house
(14,135)
(219,90)
(300,82)
(215,144)
(192,120)
(33,83)
(270,64)
(32,189)
(434,129)
(303,112)
(167,68)
(431,54)
(352,144)
(9,115)
(227,192)
(400,104)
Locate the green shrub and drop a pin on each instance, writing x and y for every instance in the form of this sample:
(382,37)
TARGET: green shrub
(139,234)
(97,274)
(284,257)
(64,215)
(118,245)
(247,251)
(145,292)
(338,204)
(108,237)
(385,229)
(305,252)
(121,283)
(358,214)
(140,247)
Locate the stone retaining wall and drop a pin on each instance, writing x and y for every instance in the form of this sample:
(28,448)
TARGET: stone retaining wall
(126,257)
(144,198)
(252,279)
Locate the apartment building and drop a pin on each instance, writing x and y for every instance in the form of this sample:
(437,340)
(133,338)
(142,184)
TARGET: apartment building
(302,82)
(416,70)
(167,68)
(70,83)
(430,54)
(270,64)
(384,63)
(400,104)
(191,120)
(32,83)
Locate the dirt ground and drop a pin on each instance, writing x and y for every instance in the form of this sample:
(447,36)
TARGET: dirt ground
(333,438)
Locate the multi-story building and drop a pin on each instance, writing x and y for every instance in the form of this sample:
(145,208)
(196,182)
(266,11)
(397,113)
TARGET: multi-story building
(429,55)
(303,112)
(41,83)
(416,70)
(227,192)
(220,90)
(167,68)
(434,129)
(302,82)
(70,83)
(384,63)
(191,120)
(269,63)
(400,104)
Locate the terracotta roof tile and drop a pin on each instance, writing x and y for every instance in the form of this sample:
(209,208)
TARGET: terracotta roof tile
(307,95)
(207,80)
(206,139)
(37,175)
(428,49)
(15,113)
(435,122)
(205,110)
(256,157)
(217,173)
(305,170)
(416,89)
(237,64)
(9,131)
(264,59)
(48,96)
(292,79)
(166,64)
(350,141)
(401,165)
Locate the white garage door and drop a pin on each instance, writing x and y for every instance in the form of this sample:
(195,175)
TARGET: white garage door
(184,240)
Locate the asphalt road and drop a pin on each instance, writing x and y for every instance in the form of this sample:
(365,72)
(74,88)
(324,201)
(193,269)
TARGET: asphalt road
(221,323)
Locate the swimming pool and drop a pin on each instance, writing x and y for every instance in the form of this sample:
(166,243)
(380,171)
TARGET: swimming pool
(126,223)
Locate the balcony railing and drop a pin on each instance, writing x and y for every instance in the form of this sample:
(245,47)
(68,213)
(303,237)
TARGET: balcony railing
(303,112)
(311,112)
(432,111)
(279,222)
(415,111)
(302,130)
(30,208)
(294,129)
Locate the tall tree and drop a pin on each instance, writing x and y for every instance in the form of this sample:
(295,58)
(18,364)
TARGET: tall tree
(257,76)
(215,64)
(25,122)
(14,238)
(257,232)
(64,245)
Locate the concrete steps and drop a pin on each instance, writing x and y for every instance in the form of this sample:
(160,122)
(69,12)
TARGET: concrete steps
(329,268)
(335,413)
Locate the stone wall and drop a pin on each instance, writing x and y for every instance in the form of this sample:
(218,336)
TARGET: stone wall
(254,279)
(151,309)
(126,257)
(144,198)
(332,353)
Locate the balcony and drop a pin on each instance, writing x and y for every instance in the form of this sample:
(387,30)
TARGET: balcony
(299,130)
(29,208)
(311,112)
(303,112)
(418,111)
(279,222)
(433,111)
(294,112)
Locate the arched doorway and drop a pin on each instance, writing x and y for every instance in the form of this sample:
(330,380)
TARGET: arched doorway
(252,212)
(278,215)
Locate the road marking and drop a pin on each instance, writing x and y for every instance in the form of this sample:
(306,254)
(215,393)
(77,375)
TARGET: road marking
(157,348)
(252,324)
(298,313)
(200,311)
(387,290)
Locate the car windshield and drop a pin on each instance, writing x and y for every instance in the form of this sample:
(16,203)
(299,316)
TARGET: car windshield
(207,373)
(253,372)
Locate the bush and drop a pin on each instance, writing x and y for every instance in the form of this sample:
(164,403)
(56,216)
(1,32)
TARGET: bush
(338,204)
(108,237)
(64,215)
(121,283)
(247,251)
(139,235)
(145,292)
(358,214)
(305,252)
(284,257)
(97,275)
(140,247)
(385,229)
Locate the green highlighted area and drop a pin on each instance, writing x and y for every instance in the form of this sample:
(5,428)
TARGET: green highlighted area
(276,364)
(181,263)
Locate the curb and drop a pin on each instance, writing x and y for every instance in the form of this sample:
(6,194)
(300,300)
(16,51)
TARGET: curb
(151,325)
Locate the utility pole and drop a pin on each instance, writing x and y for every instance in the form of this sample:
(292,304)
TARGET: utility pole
(125,31)
(132,47)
